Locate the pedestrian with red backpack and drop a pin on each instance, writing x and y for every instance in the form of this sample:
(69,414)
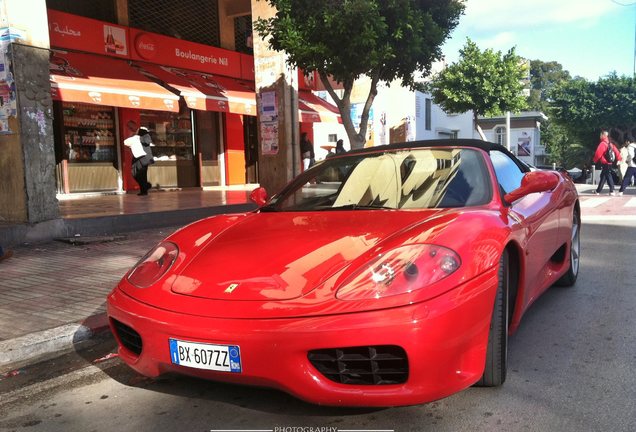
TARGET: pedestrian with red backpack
(607,155)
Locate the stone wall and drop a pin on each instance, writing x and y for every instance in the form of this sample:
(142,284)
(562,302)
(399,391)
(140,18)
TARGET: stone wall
(31,174)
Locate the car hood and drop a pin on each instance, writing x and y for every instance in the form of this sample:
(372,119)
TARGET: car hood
(283,256)
(283,265)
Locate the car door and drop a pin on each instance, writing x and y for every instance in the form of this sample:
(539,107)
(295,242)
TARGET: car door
(536,220)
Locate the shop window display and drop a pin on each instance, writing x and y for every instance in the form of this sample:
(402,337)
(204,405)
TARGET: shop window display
(171,134)
(89,133)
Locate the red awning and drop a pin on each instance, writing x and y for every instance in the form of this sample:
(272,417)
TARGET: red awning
(96,79)
(204,91)
(313,109)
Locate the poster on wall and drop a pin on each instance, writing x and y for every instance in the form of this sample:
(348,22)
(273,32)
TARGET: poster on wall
(8,106)
(268,111)
(269,107)
(269,138)
(524,144)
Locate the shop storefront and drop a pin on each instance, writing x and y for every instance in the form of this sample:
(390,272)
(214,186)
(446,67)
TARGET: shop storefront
(91,93)
(88,153)
(220,104)
(106,81)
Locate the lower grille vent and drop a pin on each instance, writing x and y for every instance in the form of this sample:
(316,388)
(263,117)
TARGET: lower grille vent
(370,365)
(128,337)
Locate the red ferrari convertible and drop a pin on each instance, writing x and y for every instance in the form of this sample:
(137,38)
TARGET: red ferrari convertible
(385,276)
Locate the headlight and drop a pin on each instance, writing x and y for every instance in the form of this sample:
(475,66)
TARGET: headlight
(153,265)
(401,270)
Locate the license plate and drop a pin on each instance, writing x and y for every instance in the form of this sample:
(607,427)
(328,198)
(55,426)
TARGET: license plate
(225,358)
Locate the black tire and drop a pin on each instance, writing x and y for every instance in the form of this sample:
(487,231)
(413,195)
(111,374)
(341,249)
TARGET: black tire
(497,353)
(569,278)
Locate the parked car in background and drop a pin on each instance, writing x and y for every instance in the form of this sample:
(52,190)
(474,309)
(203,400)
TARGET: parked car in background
(385,276)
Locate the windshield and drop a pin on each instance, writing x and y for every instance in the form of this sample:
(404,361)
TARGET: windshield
(404,179)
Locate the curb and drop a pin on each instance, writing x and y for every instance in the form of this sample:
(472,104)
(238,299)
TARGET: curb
(24,349)
(110,225)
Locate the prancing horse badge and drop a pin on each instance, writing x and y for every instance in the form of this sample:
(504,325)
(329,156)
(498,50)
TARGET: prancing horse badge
(231,288)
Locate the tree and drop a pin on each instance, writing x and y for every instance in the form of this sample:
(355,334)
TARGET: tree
(482,81)
(563,149)
(384,40)
(544,76)
(583,108)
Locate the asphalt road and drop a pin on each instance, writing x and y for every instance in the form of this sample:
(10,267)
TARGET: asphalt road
(571,369)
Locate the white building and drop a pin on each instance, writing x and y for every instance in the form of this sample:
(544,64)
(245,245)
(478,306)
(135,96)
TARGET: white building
(525,135)
(397,115)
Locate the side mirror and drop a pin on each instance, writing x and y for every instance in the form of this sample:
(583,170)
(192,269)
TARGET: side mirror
(533,182)
(259,196)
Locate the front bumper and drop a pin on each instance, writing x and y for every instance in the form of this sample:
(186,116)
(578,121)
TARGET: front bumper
(444,339)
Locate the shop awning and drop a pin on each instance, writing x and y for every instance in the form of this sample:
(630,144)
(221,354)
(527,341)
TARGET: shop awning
(206,92)
(95,79)
(313,109)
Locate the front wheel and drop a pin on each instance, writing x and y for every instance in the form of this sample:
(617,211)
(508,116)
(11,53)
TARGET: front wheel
(569,278)
(497,354)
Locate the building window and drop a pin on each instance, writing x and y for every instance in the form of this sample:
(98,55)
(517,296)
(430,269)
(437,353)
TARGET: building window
(243,41)
(332,138)
(190,20)
(500,135)
(427,114)
(102,10)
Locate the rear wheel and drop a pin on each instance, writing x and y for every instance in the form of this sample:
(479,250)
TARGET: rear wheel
(497,354)
(569,278)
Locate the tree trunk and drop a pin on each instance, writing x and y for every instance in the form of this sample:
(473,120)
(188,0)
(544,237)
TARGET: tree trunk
(477,127)
(357,138)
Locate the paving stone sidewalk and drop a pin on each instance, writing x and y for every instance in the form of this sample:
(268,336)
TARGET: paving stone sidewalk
(45,288)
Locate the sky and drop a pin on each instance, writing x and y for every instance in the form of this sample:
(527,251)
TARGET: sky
(590,38)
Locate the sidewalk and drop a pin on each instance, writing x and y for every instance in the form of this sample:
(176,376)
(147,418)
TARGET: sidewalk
(94,214)
(52,294)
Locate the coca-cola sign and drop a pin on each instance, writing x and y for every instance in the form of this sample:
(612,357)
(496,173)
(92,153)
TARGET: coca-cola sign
(145,46)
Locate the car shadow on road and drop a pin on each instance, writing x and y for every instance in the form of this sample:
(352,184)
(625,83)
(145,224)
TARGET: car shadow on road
(104,355)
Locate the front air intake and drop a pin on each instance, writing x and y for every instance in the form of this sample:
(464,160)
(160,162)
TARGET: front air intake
(129,338)
(368,365)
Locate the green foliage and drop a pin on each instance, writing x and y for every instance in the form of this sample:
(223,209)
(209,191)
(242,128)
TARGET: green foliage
(482,81)
(544,76)
(562,150)
(583,108)
(345,39)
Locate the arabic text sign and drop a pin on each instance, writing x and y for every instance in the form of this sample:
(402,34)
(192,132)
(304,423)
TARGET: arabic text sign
(85,34)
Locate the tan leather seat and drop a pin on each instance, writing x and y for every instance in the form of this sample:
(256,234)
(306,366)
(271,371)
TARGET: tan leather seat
(380,176)
(421,173)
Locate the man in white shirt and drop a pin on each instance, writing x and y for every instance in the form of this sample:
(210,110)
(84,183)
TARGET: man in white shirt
(142,158)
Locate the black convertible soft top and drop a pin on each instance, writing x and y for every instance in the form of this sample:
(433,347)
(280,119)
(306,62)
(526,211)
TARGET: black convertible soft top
(459,142)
